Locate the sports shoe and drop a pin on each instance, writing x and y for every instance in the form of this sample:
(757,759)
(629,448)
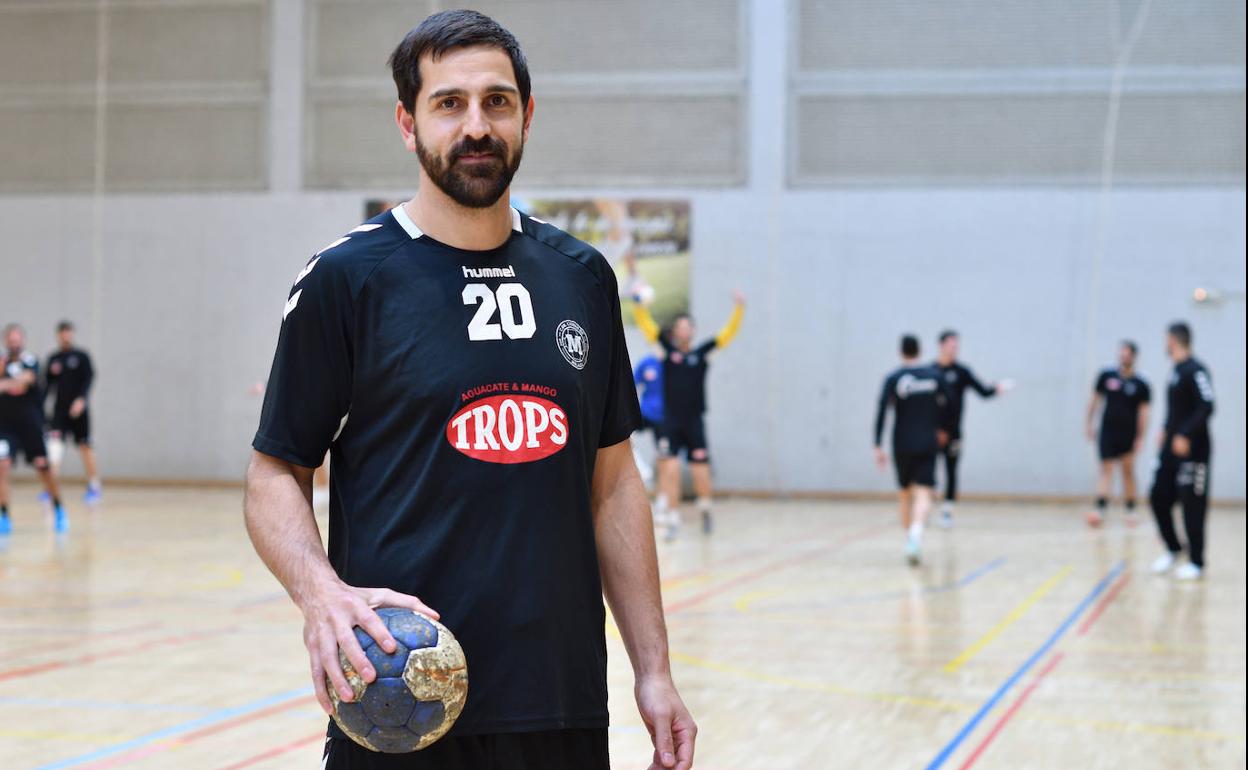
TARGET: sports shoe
(1094,518)
(1189,572)
(93,496)
(1131,519)
(45,498)
(673,529)
(6,526)
(60,522)
(946,518)
(1163,563)
(913,552)
(708,524)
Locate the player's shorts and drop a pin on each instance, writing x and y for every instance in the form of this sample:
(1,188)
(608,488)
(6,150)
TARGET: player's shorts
(78,428)
(550,750)
(684,435)
(22,437)
(1114,444)
(915,469)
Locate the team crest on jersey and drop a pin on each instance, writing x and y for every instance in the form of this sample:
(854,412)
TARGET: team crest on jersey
(515,425)
(573,343)
(1113,383)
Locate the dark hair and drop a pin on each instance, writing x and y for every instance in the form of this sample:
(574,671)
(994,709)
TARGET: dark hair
(65,326)
(1181,332)
(1130,345)
(910,346)
(946,334)
(444,31)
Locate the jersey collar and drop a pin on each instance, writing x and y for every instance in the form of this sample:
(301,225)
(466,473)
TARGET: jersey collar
(400,215)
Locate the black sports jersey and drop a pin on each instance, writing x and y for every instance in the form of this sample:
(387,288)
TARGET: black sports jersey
(23,405)
(919,398)
(464,396)
(70,375)
(1123,398)
(684,378)
(957,379)
(1190,404)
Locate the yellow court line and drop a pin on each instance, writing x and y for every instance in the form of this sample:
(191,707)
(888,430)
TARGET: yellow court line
(1008,620)
(1138,727)
(676,583)
(61,735)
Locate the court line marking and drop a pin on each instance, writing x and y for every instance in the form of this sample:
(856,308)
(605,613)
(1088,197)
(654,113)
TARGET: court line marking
(287,699)
(68,703)
(1011,711)
(1009,620)
(1005,687)
(276,751)
(1100,607)
(56,665)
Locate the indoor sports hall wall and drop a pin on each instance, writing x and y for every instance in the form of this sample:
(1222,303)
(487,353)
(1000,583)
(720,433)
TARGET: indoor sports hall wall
(169,166)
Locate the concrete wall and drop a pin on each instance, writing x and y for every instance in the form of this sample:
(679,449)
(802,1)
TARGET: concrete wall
(178,297)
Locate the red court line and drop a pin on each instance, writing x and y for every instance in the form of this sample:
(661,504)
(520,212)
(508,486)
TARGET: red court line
(774,566)
(168,641)
(1014,708)
(31,650)
(182,740)
(320,736)
(1109,597)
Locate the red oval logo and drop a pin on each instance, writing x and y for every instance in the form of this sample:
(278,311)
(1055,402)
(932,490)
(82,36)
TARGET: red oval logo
(509,429)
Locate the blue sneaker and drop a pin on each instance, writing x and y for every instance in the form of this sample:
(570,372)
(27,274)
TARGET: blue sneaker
(44,498)
(93,496)
(60,522)
(6,526)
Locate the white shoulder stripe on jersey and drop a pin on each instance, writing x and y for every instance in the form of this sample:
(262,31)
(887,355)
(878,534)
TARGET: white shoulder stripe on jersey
(338,242)
(291,304)
(400,215)
(365,229)
(307,269)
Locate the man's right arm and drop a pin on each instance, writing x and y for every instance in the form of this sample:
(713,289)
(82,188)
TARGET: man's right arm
(278,511)
(1094,404)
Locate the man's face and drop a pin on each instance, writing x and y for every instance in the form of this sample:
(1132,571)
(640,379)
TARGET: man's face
(682,332)
(65,337)
(1126,358)
(949,348)
(468,127)
(15,340)
(1172,346)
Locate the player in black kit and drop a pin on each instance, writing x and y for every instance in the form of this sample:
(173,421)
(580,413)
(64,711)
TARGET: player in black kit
(1185,451)
(465,366)
(1125,397)
(920,399)
(21,425)
(684,406)
(69,377)
(957,379)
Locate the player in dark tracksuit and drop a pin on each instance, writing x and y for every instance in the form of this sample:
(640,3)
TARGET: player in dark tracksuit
(1124,419)
(1183,464)
(919,397)
(69,377)
(21,424)
(957,379)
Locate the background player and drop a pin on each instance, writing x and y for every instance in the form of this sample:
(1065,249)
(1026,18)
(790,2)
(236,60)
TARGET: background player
(1183,465)
(1125,397)
(492,472)
(21,423)
(957,378)
(684,406)
(919,399)
(69,377)
(648,376)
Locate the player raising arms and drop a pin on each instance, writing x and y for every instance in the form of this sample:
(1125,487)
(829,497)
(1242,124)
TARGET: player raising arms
(1124,421)
(919,398)
(684,406)
(466,367)
(957,378)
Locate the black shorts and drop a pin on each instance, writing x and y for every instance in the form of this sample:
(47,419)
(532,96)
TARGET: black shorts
(686,435)
(1115,444)
(915,469)
(551,750)
(78,428)
(22,437)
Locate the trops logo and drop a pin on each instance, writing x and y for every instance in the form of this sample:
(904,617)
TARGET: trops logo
(517,424)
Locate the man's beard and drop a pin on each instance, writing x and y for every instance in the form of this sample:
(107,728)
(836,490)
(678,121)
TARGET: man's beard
(478,185)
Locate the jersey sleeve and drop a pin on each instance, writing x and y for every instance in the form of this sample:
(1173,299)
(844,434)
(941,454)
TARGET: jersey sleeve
(308,395)
(1099,387)
(985,391)
(1202,390)
(730,329)
(1146,393)
(50,377)
(621,414)
(886,397)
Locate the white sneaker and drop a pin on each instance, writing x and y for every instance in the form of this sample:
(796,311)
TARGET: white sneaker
(1163,563)
(1188,571)
(946,518)
(913,552)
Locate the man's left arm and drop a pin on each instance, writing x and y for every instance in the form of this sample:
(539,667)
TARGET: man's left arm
(624,533)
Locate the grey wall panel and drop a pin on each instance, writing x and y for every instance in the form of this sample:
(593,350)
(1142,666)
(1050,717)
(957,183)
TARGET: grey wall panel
(197,44)
(40,46)
(181,147)
(46,147)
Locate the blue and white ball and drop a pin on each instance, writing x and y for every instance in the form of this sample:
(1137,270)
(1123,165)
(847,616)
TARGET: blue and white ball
(419,691)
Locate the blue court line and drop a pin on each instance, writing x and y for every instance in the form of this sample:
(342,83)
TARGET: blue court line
(65,703)
(219,715)
(991,703)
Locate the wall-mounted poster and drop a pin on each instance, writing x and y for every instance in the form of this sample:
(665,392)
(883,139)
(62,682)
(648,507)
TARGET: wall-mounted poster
(645,240)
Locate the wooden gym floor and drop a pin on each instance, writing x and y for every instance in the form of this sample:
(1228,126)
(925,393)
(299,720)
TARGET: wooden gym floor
(152,637)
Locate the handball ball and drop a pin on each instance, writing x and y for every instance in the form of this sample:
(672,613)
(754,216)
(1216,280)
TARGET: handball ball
(419,691)
(643,293)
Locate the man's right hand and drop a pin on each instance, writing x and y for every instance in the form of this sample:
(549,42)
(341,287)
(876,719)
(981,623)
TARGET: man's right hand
(1091,431)
(881,459)
(329,618)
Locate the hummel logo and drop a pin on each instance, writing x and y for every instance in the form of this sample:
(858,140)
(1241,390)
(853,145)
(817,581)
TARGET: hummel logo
(489,272)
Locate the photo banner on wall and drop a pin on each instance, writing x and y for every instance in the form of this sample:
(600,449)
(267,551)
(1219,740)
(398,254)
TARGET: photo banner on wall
(646,241)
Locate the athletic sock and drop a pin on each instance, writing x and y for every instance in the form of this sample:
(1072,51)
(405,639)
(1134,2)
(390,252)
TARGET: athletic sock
(660,507)
(56,502)
(704,505)
(1131,506)
(94,484)
(1101,503)
(946,508)
(916,531)
(4,511)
